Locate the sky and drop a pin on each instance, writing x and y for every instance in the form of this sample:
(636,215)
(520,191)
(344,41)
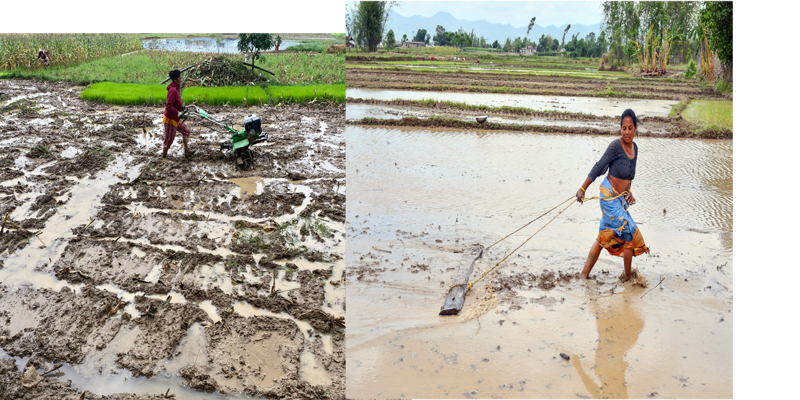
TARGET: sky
(518,14)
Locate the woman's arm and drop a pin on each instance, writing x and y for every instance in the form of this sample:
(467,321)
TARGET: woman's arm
(599,169)
(582,190)
(173,100)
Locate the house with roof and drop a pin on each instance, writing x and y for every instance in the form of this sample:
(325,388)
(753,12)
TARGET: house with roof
(528,51)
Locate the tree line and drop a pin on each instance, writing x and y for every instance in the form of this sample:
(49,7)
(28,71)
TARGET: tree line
(688,23)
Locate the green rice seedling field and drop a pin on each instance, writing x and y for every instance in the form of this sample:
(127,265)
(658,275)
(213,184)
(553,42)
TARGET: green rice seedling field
(710,113)
(139,94)
(149,94)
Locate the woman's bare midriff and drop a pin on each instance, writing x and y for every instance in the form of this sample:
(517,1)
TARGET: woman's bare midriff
(620,185)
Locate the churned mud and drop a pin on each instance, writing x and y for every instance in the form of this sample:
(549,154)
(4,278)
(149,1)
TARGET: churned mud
(140,275)
(532,328)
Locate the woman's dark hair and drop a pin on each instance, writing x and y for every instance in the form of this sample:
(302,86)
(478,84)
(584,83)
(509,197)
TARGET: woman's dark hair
(175,73)
(629,113)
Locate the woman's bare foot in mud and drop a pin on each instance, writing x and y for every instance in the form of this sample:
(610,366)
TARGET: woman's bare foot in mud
(188,153)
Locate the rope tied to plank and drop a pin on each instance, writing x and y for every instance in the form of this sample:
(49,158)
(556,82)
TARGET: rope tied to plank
(471,283)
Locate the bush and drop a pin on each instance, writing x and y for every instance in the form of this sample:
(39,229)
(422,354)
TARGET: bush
(723,86)
(691,69)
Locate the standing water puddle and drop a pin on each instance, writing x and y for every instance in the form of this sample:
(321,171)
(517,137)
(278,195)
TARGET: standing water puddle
(590,105)
(414,207)
(204,45)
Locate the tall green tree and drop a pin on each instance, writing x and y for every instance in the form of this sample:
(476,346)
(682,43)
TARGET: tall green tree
(439,37)
(388,43)
(366,22)
(253,44)
(717,19)
(420,36)
(542,43)
(565,33)
(517,44)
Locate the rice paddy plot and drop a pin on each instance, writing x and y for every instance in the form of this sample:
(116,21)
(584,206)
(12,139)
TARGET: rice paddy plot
(710,112)
(137,94)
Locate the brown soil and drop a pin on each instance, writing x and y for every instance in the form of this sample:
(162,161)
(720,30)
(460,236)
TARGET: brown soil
(166,218)
(680,128)
(488,82)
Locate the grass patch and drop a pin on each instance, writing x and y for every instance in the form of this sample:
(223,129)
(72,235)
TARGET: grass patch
(39,151)
(677,109)
(138,94)
(316,46)
(151,67)
(710,113)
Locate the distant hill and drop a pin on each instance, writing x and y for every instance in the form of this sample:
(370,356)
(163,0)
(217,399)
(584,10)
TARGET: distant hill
(489,30)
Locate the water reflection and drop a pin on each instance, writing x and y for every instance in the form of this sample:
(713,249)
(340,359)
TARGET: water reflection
(206,45)
(618,326)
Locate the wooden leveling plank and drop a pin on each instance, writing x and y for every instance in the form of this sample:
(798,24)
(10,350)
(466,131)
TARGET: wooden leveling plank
(455,298)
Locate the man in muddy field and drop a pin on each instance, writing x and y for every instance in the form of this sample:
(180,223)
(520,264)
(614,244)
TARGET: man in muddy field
(173,121)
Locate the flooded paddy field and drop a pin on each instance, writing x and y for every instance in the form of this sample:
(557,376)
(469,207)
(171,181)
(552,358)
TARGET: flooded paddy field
(589,105)
(141,275)
(420,197)
(525,113)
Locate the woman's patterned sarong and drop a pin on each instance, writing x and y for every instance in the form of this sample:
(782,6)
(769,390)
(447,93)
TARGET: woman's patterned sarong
(617,229)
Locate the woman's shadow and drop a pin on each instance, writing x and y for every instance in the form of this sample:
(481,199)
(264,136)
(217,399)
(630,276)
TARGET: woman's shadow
(618,325)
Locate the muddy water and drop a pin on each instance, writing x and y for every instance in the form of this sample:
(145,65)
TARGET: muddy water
(359,111)
(589,105)
(86,219)
(205,45)
(414,207)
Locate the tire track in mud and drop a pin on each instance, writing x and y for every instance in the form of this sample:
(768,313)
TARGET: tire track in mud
(152,248)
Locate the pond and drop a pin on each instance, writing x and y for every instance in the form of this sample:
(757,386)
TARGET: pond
(204,45)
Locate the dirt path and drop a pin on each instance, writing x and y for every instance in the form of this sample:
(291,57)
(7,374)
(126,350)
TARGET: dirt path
(117,263)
